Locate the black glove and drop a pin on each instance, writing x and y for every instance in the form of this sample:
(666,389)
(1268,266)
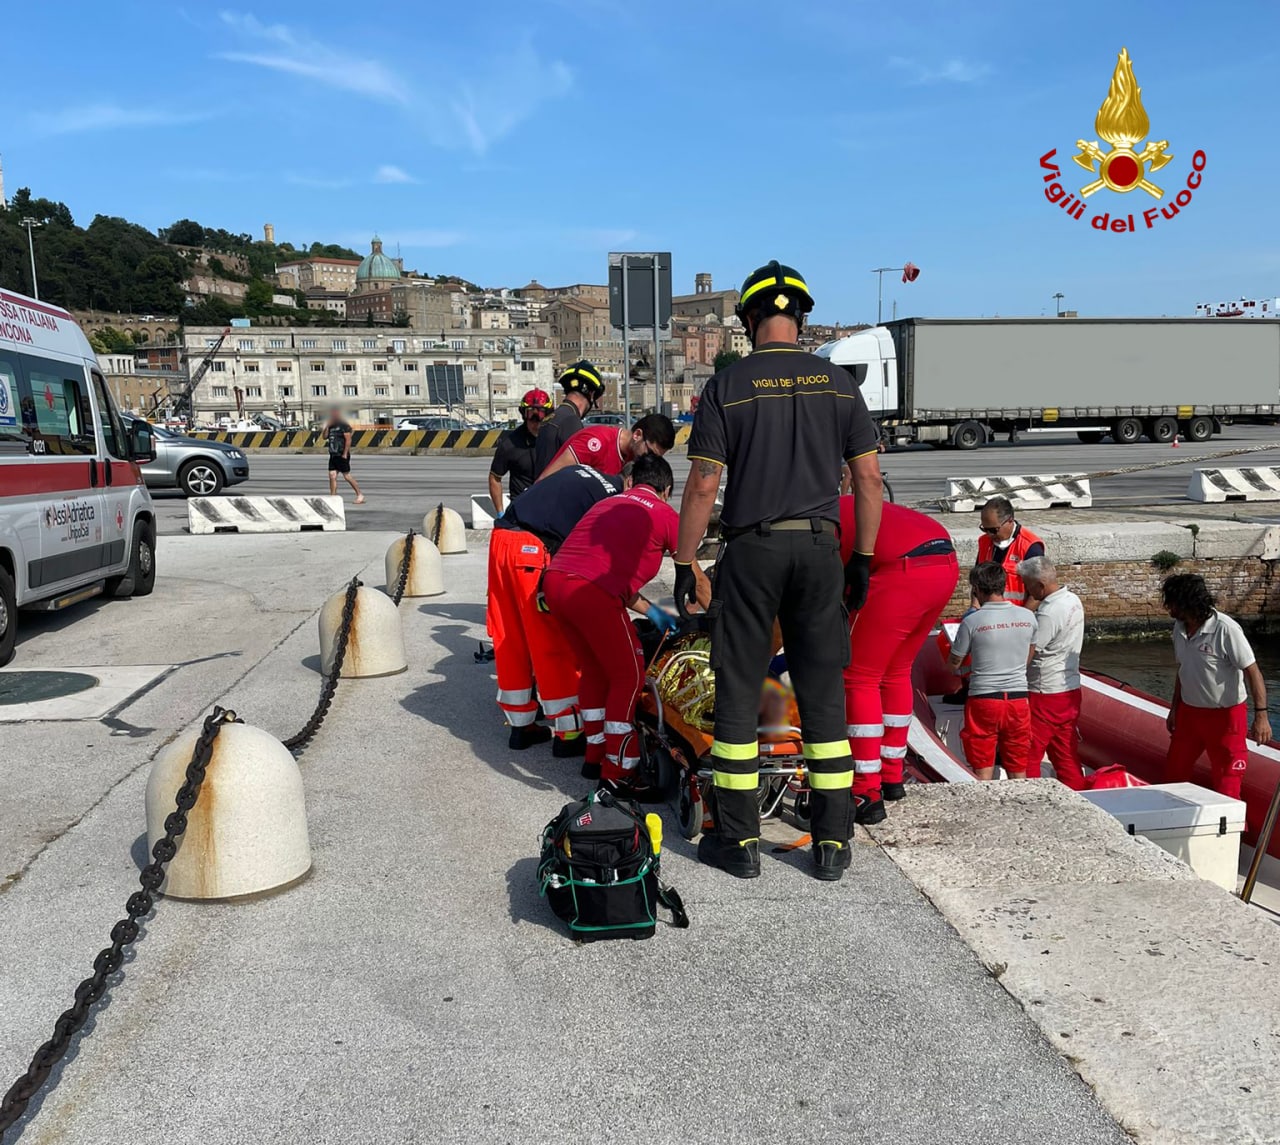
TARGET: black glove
(857,579)
(686,588)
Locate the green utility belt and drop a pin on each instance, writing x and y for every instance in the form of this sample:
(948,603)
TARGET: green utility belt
(789,525)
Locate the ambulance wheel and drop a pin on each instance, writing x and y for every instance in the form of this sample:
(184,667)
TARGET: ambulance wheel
(801,811)
(689,811)
(8,617)
(140,580)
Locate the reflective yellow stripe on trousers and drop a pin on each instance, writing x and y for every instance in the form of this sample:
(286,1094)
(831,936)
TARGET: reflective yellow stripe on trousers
(824,780)
(746,753)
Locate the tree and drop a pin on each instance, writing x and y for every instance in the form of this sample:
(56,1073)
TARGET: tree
(400,318)
(185,232)
(257,298)
(725,358)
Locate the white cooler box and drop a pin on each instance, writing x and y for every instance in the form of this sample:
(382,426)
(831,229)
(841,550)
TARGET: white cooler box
(1199,826)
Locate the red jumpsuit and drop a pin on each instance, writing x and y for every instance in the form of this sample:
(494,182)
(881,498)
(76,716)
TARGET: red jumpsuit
(599,446)
(613,552)
(913,574)
(528,644)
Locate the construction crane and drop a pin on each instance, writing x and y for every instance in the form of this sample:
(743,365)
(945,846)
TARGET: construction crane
(183,406)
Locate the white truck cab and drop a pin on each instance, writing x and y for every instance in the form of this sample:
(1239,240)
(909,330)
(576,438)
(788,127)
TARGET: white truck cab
(75,516)
(870,357)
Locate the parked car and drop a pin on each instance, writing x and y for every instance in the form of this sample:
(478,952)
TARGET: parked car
(617,419)
(199,468)
(430,422)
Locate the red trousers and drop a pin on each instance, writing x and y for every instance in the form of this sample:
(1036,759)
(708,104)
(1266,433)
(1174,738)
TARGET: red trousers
(1054,717)
(1219,733)
(612,670)
(903,602)
(528,645)
(994,726)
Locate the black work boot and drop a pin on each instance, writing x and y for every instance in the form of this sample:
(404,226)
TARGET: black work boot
(569,748)
(741,860)
(868,810)
(591,771)
(830,860)
(526,737)
(892,792)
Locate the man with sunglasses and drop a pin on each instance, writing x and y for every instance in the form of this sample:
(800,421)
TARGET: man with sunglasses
(515,451)
(1007,543)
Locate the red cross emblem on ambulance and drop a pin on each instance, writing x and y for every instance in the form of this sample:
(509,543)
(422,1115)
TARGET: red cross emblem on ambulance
(120,519)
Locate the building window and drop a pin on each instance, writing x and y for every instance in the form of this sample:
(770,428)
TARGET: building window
(379,391)
(253,391)
(471,391)
(251,368)
(219,391)
(319,391)
(411,367)
(370,343)
(218,367)
(317,367)
(245,344)
(412,391)
(286,391)
(277,343)
(379,367)
(470,368)
(210,343)
(339,344)
(458,344)
(500,364)
(348,367)
(527,367)
(284,367)
(397,345)
(307,344)
(350,391)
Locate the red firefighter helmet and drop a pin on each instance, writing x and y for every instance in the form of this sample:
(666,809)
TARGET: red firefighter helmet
(538,400)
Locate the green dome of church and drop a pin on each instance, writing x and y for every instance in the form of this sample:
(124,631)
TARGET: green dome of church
(376,265)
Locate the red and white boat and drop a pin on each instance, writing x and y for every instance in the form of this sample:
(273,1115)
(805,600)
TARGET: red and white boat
(1118,725)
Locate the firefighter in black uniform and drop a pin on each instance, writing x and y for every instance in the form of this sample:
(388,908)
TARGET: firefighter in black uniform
(781,421)
(583,387)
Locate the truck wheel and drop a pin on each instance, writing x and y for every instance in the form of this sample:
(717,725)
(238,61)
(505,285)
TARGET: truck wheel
(1163,430)
(1090,436)
(969,435)
(1200,429)
(140,580)
(8,617)
(200,478)
(1126,431)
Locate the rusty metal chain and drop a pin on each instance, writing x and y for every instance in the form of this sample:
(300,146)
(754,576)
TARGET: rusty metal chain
(405,561)
(438,527)
(330,685)
(123,934)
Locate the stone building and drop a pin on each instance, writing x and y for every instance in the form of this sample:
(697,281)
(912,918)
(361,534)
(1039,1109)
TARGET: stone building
(322,273)
(704,301)
(297,374)
(577,329)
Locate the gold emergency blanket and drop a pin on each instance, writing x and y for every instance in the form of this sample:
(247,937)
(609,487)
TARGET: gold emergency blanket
(686,682)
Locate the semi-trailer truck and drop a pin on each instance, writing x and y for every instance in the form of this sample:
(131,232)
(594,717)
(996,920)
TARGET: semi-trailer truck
(962,381)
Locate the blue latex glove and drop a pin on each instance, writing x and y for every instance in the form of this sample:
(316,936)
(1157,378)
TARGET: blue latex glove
(662,620)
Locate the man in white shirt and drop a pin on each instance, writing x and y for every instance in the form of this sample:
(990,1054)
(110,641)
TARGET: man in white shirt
(1215,663)
(1053,676)
(1000,639)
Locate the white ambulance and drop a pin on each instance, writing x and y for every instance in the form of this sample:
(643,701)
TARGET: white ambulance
(75,516)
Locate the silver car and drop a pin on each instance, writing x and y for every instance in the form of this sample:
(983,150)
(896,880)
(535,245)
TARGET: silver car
(199,468)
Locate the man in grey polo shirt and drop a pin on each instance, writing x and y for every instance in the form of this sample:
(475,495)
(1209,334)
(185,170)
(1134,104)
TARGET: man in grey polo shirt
(1215,664)
(999,637)
(1053,676)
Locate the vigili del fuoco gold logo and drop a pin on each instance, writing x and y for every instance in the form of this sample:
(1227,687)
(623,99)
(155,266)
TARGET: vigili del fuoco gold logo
(1122,123)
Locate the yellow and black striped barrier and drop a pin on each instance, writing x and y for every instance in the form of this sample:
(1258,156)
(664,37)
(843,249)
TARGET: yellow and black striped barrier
(440,439)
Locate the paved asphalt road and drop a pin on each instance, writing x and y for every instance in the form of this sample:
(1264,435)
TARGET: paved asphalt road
(401,488)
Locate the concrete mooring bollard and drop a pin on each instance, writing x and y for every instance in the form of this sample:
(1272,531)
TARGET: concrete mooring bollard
(247,832)
(426,573)
(452,530)
(376,644)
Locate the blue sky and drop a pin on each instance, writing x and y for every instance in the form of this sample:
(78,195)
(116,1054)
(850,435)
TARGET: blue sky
(504,141)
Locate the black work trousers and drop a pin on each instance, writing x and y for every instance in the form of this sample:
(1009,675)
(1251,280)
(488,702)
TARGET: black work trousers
(795,576)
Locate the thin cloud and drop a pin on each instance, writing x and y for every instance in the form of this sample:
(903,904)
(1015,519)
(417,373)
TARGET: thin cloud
(389,173)
(316,182)
(111,117)
(955,70)
(278,48)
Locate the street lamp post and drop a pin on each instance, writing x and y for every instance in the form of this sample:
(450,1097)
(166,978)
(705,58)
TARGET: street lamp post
(1057,298)
(30,224)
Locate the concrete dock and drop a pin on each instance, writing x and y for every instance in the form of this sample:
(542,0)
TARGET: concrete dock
(984,974)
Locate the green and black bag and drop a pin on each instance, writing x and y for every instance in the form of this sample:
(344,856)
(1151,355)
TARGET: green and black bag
(600,872)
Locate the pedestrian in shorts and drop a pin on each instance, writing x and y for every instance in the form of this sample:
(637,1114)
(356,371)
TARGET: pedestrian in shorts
(337,435)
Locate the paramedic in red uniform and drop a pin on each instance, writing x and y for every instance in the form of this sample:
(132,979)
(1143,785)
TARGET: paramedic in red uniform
(597,574)
(1215,667)
(1053,676)
(913,574)
(515,450)
(528,643)
(609,448)
(1007,542)
(1000,639)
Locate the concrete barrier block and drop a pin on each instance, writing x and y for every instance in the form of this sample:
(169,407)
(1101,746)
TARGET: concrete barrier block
(1035,491)
(247,832)
(266,515)
(1221,540)
(483,511)
(1260,483)
(376,644)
